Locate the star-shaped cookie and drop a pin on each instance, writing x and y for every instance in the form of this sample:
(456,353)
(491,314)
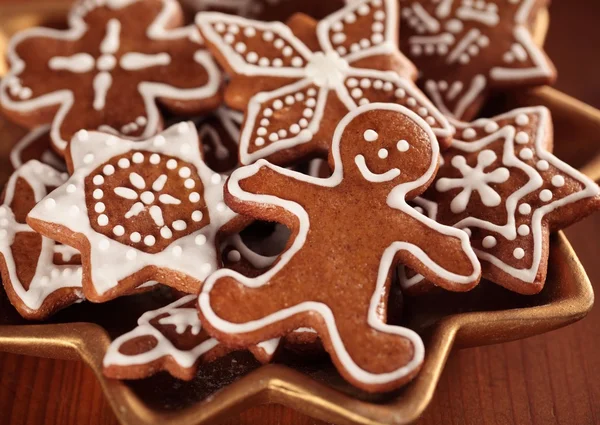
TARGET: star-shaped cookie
(501,184)
(465,49)
(138,211)
(297,81)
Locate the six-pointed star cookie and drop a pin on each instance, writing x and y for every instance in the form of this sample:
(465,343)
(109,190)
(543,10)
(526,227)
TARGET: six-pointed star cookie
(297,81)
(108,71)
(172,339)
(502,185)
(357,223)
(138,211)
(40,276)
(466,48)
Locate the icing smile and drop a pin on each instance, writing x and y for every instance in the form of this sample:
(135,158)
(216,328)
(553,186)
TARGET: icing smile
(389,175)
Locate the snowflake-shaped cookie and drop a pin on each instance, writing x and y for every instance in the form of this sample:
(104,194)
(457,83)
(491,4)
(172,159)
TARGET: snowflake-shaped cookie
(138,211)
(465,48)
(108,71)
(40,276)
(538,194)
(297,81)
(172,339)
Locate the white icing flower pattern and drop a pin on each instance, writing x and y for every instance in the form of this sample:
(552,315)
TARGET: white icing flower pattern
(474,179)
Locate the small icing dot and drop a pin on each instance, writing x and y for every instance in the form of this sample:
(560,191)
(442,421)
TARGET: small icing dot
(523,230)
(489,242)
(83,135)
(259,141)
(522,137)
(154,159)
(400,93)
(135,237)
(166,233)
(149,240)
(108,170)
(519,253)
(98,194)
(411,101)
(197,216)
(469,133)
(71,188)
(383,153)
(522,119)
(200,240)
(234,256)
(119,230)
(185,172)
(525,209)
(558,181)
(99,207)
(542,165)
(402,145)
(171,164)
(545,195)
(194,197)
(98,180)
(268,36)
(189,184)
(249,32)
(278,104)
(124,163)
(137,158)
(490,127)
(370,135)
(526,154)
(102,220)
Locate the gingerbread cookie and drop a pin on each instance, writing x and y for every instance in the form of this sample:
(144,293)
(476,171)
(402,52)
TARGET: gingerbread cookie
(171,339)
(501,184)
(138,211)
(297,81)
(465,49)
(267,10)
(348,231)
(220,133)
(108,71)
(40,276)
(36,145)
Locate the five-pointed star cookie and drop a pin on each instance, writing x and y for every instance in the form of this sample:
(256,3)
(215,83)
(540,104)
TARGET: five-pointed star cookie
(138,211)
(107,71)
(501,184)
(466,48)
(297,81)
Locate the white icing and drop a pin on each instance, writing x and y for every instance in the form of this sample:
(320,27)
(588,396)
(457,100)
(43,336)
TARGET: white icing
(396,200)
(329,70)
(107,268)
(48,277)
(83,62)
(389,175)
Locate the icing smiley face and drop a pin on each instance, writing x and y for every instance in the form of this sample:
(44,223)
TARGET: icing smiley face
(159,200)
(385,146)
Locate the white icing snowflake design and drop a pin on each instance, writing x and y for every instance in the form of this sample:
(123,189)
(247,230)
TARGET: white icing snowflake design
(292,114)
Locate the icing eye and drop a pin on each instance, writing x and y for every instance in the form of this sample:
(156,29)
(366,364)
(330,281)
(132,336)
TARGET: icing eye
(370,135)
(402,145)
(383,153)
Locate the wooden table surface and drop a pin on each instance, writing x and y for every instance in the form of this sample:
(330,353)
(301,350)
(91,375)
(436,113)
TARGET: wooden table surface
(548,379)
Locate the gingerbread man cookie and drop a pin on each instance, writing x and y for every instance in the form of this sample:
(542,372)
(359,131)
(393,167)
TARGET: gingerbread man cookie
(172,339)
(465,49)
(297,81)
(500,183)
(40,276)
(138,211)
(108,71)
(348,231)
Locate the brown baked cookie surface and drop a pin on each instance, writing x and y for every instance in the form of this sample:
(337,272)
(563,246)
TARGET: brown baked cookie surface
(39,275)
(348,232)
(502,185)
(296,81)
(109,71)
(170,339)
(138,211)
(466,49)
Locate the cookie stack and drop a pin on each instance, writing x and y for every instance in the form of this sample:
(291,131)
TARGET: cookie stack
(279,175)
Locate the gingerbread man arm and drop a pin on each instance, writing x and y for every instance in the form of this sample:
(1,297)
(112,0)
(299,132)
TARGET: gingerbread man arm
(247,187)
(441,253)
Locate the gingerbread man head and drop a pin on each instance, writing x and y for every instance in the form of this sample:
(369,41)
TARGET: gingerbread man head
(387,145)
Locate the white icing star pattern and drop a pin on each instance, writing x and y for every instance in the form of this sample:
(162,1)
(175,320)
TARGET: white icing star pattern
(292,114)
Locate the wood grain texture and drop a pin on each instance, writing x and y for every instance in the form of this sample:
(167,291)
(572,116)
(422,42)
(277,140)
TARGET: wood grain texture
(548,379)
